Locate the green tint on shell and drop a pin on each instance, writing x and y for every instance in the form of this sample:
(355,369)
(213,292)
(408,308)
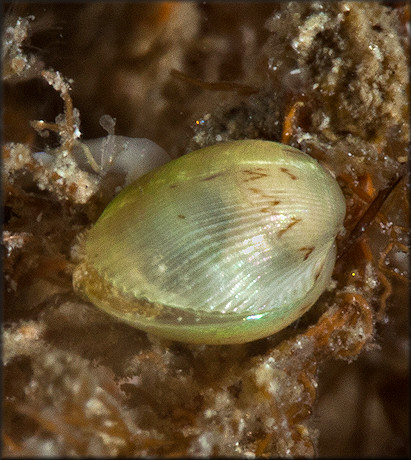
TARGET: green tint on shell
(226,244)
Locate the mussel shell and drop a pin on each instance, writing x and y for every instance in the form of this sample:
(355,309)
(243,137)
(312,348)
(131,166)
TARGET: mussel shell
(226,244)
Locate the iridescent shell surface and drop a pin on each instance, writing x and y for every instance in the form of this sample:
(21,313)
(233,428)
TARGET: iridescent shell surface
(226,244)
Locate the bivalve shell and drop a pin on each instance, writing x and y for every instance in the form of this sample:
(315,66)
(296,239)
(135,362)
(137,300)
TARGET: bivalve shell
(226,244)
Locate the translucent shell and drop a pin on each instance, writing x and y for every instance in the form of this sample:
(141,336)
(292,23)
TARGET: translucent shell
(226,244)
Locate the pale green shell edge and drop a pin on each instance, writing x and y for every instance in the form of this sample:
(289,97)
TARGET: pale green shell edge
(240,330)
